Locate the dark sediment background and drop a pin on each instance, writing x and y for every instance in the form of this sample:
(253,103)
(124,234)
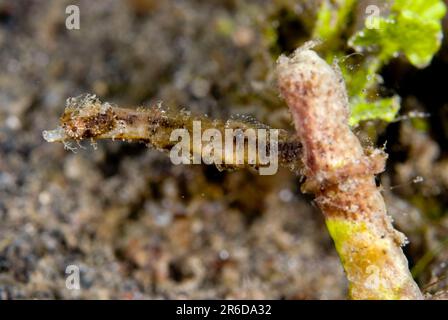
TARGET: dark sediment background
(138,226)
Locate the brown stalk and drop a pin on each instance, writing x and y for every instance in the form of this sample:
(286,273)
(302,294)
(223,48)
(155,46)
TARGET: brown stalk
(342,176)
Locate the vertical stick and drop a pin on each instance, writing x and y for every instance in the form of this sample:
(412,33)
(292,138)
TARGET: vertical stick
(341,175)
